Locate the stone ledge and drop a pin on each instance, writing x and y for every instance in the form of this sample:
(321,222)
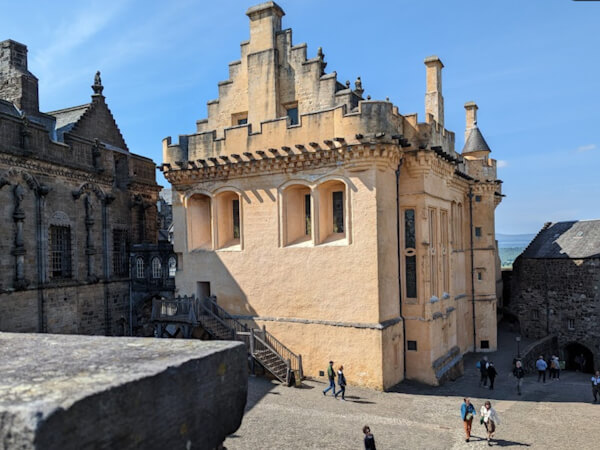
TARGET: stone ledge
(79,392)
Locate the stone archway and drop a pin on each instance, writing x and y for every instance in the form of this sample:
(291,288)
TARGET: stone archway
(573,351)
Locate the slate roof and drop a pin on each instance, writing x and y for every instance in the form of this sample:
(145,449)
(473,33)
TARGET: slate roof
(7,107)
(475,142)
(67,118)
(566,240)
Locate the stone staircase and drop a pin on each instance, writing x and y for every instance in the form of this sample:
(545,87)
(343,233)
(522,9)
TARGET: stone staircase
(263,347)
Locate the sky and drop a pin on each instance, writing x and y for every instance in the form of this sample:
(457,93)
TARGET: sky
(532,66)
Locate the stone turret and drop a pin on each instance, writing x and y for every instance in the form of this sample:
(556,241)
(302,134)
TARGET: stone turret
(434,101)
(475,145)
(17,84)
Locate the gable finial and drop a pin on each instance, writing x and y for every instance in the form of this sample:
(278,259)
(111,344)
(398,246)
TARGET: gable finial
(97,86)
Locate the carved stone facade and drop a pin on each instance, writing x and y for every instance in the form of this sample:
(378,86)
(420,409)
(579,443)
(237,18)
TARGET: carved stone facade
(334,220)
(73,200)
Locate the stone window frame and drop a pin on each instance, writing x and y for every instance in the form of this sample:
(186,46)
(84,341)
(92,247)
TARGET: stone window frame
(206,243)
(156,267)
(224,232)
(317,190)
(139,268)
(61,219)
(291,106)
(409,251)
(478,232)
(125,262)
(412,346)
(570,324)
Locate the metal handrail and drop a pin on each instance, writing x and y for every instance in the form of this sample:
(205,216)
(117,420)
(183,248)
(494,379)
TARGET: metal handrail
(285,353)
(221,314)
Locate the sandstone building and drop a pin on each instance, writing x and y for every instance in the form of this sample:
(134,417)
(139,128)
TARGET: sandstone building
(337,222)
(73,199)
(556,289)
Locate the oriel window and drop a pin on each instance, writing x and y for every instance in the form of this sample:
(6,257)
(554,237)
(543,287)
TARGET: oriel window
(60,252)
(338,212)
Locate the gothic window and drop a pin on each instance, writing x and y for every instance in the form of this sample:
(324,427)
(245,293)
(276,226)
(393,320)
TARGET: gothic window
(120,253)
(156,268)
(139,267)
(172,267)
(199,218)
(297,217)
(410,256)
(228,220)
(60,252)
(445,259)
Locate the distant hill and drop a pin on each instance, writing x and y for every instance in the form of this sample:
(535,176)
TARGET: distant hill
(514,240)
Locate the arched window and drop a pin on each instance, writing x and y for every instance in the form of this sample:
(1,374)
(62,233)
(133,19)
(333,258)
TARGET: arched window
(156,268)
(199,218)
(297,215)
(139,268)
(172,267)
(332,211)
(228,220)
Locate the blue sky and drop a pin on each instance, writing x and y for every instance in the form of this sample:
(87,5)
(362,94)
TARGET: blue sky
(532,66)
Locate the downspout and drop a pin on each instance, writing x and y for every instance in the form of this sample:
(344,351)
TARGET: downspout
(472,267)
(399,259)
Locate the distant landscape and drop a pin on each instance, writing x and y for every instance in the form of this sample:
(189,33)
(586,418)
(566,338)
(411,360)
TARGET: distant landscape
(512,245)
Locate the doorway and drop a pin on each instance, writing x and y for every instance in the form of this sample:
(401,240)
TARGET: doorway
(578,356)
(202,289)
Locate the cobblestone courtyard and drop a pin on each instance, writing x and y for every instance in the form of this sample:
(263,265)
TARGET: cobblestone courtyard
(555,415)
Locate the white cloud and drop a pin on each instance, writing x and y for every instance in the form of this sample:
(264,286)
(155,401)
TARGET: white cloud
(585,148)
(501,163)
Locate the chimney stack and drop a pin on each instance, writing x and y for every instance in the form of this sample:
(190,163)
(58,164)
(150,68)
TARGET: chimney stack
(471,119)
(17,84)
(265,22)
(434,101)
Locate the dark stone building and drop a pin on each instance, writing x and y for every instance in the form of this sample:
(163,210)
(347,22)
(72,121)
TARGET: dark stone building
(73,200)
(556,289)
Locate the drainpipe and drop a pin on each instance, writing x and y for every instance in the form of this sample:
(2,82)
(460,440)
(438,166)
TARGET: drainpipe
(399,258)
(470,195)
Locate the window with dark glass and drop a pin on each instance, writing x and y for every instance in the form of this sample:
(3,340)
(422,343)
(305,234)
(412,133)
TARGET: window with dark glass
(307,229)
(120,252)
(338,212)
(236,218)
(60,251)
(139,268)
(243,121)
(485,344)
(478,231)
(411,345)
(292,113)
(156,268)
(478,198)
(410,257)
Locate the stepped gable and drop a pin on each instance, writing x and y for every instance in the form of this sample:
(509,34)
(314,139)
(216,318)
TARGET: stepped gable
(475,142)
(566,240)
(92,121)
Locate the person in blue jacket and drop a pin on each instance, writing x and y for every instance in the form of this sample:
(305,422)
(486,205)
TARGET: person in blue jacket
(467,412)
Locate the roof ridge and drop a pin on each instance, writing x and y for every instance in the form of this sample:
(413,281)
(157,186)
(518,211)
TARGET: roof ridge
(71,108)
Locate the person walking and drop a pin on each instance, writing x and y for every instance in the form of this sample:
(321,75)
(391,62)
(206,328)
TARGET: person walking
(467,412)
(489,417)
(555,368)
(483,366)
(331,376)
(541,367)
(519,374)
(341,383)
(369,438)
(596,386)
(492,374)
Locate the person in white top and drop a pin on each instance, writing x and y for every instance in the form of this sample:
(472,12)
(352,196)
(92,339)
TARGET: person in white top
(596,385)
(489,417)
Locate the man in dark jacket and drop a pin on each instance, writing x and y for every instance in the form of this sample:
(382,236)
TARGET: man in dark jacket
(491,374)
(369,439)
(331,376)
(519,373)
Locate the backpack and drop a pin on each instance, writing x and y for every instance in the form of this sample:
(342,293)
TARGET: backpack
(478,365)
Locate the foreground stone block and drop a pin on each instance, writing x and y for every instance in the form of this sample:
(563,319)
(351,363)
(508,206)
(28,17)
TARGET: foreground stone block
(89,392)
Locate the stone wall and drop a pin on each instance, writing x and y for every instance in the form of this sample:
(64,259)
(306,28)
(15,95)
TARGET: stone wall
(559,297)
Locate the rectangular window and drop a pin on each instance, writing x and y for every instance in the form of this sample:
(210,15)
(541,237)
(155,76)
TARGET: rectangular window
(445,260)
(485,344)
(243,121)
(338,212)
(479,275)
(433,247)
(410,258)
(120,253)
(236,218)
(477,231)
(535,314)
(571,324)
(292,113)
(411,345)
(478,198)
(307,229)
(60,251)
